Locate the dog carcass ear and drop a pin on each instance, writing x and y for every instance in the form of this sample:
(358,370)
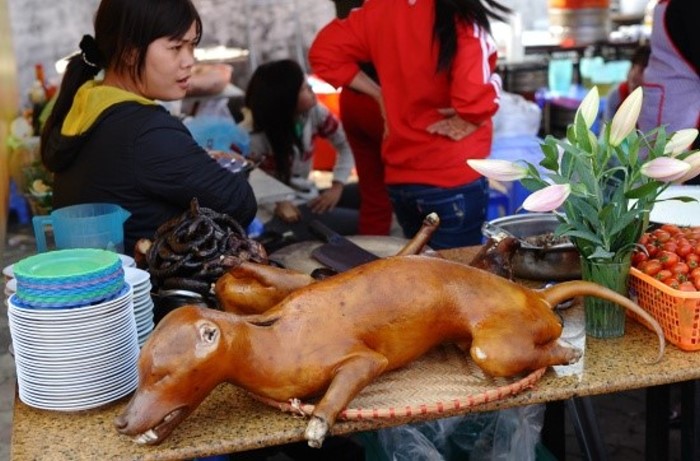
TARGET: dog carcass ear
(208,333)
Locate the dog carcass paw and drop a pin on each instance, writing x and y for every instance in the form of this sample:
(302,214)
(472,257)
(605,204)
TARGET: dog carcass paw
(575,356)
(316,431)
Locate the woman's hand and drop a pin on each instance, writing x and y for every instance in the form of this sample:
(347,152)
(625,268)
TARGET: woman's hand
(327,200)
(452,126)
(287,212)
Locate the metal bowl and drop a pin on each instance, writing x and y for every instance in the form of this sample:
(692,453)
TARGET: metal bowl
(555,262)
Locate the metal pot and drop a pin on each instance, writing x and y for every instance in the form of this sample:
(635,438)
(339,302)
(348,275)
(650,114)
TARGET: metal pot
(555,262)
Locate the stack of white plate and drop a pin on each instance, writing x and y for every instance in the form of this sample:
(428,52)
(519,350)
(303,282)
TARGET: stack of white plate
(10,289)
(8,272)
(75,359)
(140,281)
(127,261)
(10,286)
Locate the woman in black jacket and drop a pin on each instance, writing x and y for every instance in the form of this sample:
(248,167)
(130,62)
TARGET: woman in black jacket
(109,141)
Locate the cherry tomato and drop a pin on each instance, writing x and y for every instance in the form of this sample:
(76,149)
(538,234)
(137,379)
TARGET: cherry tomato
(651,267)
(638,258)
(695,272)
(686,286)
(663,274)
(672,282)
(696,282)
(670,246)
(668,259)
(684,250)
(680,268)
(693,235)
(661,235)
(652,249)
(693,260)
(671,228)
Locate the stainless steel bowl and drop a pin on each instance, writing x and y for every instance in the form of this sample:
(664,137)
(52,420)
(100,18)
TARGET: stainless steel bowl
(555,262)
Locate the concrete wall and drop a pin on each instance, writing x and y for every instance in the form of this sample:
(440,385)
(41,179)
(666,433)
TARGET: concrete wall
(46,30)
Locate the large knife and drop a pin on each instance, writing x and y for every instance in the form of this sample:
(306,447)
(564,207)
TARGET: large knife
(338,253)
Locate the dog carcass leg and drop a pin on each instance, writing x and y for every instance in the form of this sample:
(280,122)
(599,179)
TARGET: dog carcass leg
(354,373)
(422,237)
(520,354)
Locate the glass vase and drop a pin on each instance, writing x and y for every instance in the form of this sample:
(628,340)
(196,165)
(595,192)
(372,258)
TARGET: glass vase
(605,319)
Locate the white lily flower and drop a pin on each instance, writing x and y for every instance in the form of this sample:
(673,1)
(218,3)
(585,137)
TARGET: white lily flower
(625,119)
(588,109)
(665,169)
(499,170)
(694,161)
(680,141)
(548,199)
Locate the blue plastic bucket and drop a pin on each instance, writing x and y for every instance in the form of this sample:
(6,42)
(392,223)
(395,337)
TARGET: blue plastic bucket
(90,225)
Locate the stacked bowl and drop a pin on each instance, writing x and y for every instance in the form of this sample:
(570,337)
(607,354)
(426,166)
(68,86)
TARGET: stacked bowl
(73,330)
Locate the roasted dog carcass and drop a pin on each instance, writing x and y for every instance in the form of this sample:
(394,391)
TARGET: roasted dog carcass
(333,337)
(250,288)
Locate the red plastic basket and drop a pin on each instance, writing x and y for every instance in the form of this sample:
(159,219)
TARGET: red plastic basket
(678,312)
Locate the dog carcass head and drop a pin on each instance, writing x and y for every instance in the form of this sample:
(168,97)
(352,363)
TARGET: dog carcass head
(177,370)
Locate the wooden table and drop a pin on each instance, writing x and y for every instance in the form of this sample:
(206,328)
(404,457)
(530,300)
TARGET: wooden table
(229,420)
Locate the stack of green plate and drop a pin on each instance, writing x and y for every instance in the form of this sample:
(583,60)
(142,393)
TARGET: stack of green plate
(68,278)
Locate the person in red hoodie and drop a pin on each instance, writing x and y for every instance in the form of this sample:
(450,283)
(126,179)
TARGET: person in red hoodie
(436,61)
(364,127)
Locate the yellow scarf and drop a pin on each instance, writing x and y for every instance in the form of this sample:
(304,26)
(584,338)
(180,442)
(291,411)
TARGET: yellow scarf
(91,100)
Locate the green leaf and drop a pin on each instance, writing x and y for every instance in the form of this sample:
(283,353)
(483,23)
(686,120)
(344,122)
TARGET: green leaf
(601,253)
(581,131)
(683,198)
(585,209)
(586,235)
(623,221)
(643,190)
(551,156)
(533,184)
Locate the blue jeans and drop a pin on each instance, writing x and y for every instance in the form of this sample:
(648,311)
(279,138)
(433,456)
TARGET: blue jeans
(462,210)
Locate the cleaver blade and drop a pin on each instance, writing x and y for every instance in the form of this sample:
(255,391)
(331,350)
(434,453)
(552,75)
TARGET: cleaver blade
(338,253)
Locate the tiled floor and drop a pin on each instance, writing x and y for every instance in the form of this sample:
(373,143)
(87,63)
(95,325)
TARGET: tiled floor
(621,415)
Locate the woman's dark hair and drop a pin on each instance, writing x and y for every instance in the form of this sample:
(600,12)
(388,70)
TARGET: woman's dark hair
(271,96)
(448,12)
(123,31)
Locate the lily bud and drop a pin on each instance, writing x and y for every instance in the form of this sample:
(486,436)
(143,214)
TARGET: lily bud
(625,119)
(694,161)
(548,199)
(499,170)
(588,109)
(665,169)
(680,141)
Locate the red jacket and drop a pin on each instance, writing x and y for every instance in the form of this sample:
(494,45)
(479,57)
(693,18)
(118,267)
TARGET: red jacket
(397,38)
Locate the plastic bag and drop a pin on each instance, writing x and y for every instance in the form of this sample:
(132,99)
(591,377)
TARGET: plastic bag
(495,436)
(516,116)
(219,133)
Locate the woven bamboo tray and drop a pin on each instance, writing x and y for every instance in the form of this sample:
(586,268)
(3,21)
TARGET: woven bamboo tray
(444,379)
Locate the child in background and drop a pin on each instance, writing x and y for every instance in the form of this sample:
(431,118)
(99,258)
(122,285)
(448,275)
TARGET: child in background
(635,77)
(286,120)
